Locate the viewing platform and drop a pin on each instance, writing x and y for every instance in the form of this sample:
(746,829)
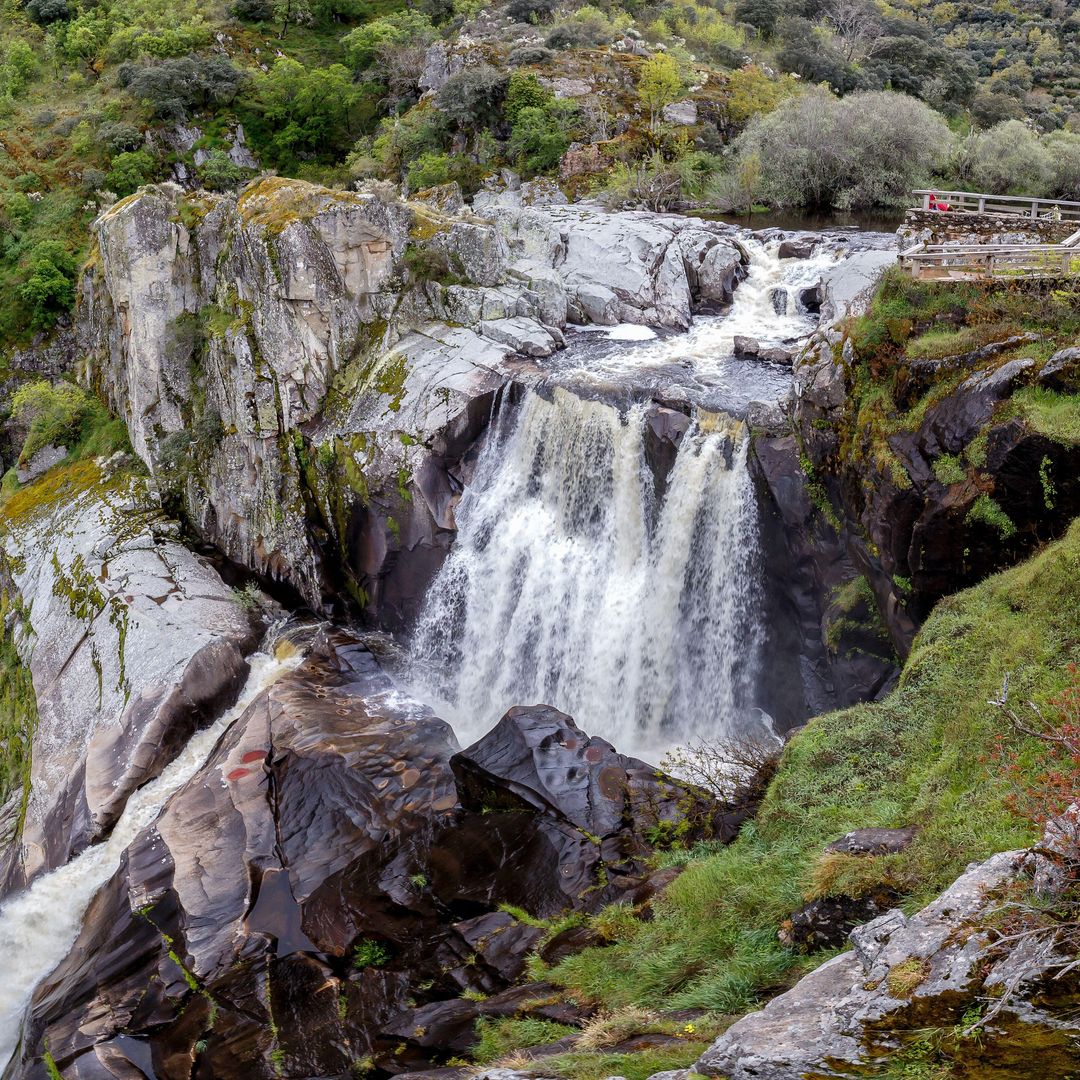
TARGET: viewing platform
(966,235)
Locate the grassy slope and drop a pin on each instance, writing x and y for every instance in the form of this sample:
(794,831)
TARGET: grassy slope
(918,757)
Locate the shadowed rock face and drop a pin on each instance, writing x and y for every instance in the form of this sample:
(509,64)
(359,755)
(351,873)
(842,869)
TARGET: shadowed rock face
(319,884)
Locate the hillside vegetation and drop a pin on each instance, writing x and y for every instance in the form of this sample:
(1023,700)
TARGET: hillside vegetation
(100,96)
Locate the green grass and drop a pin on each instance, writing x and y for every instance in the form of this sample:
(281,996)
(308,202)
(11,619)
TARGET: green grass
(1055,415)
(501,1038)
(639,1066)
(915,758)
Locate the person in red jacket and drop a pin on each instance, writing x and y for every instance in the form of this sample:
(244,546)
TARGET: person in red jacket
(938,204)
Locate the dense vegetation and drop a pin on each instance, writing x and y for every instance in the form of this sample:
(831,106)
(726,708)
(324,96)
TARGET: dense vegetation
(99,96)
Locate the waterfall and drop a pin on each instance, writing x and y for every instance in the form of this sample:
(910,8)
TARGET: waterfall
(39,925)
(569,585)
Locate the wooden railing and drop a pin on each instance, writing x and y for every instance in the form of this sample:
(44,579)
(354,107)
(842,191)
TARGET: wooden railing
(972,202)
(929,262)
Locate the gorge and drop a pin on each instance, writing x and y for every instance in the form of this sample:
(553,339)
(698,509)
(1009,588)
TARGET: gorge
(617,473)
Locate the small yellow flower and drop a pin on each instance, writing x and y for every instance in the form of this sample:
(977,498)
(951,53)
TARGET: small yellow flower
(689,1029)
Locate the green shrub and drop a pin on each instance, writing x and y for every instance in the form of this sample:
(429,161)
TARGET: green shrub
(220,173)
(541,135)
(401,28)
(370,953)
(988,511)
(130,170)
(498,1038)
(428,170)
(524,92)
(49,289)
(949,470)
(51,414)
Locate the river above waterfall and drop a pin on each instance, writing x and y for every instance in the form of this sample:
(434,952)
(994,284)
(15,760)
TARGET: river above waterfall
(776,305)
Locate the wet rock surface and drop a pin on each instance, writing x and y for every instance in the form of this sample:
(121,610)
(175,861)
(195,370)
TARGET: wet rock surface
(324,889)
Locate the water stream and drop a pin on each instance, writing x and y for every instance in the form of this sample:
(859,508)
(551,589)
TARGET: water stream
(39,925)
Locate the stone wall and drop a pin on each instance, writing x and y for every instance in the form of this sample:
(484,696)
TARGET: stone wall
(937,227)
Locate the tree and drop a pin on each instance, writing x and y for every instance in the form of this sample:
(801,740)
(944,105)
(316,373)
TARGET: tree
(49,289)
(868,149)
(129,171)
(471,98)
(659,84)
(857,27)
(366,42)
(1009,159)
(291,13)
(762,15)
(48,11)
(310,110)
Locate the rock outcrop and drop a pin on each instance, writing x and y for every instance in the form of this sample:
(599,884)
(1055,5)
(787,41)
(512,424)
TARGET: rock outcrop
(307,370)
(940,968)
(132,642)
(968,486)
(325,888)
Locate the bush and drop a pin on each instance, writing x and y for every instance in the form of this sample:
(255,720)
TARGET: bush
(50,415)
(532,11)
(428,170)
(174,86)
(220,173)
(541,135)
(117,136)
(524,92)
(129,171)
(868,149)
(1009,159)
(20,65)
(49,289)
(48,11)
(251,10)
(364,44)
(659,84)
(471,99)
(573,35)
(529,54)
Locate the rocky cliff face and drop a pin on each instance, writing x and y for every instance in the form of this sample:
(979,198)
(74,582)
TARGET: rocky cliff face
(307,370)
(132,642)
(919,476)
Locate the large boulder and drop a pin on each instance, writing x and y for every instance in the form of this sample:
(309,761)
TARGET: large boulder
(318,893)
(906,975)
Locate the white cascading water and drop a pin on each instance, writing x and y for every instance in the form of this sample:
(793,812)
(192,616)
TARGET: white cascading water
(39,925)
(766,307)
(566,585)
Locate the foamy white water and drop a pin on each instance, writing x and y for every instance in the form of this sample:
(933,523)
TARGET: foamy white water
(766,307)
(39,925)
(568,585)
